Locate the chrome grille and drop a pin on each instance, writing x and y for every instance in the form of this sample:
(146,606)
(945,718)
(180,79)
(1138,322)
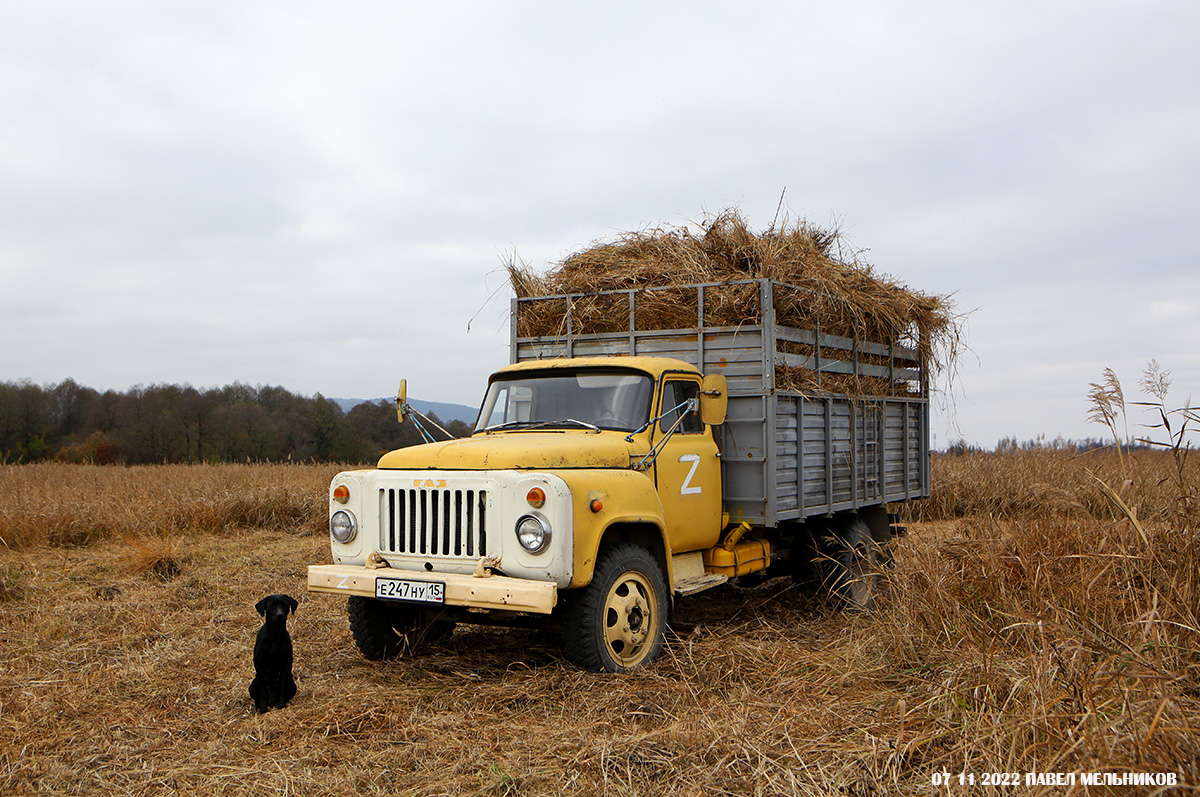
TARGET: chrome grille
(433,522)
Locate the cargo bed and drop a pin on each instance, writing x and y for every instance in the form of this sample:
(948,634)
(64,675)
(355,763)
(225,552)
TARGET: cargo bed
(787,454)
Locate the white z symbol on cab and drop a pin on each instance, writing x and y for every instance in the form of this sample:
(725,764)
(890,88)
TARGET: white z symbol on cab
(688,488)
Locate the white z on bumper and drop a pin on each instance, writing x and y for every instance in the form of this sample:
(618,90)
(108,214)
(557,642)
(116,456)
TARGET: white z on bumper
(491,592)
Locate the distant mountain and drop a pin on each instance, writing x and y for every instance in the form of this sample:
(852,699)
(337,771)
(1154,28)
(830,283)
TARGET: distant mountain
(447,412)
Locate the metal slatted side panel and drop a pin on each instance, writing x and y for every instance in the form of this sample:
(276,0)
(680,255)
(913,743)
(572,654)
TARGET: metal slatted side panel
(734,352)
(812,477)
(744,460)
(834,454)
(738,356)
(906,461)
(841,446)
(787,459)
(895,481)
(866,440)
(920,449)
(819,431)
(915,451)
(814,481)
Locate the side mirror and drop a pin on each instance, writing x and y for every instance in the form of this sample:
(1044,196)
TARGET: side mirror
(402,400)
(714,399)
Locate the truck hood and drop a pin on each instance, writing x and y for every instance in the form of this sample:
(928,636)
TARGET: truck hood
(518,450)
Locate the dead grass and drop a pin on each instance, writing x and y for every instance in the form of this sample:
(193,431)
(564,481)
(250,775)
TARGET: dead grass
(77,505)
(1028,484)
(1041,641)
(823,284)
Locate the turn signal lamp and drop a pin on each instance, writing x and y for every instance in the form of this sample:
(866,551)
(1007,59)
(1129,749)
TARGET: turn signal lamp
(536,497)
(595,505)
(341,494)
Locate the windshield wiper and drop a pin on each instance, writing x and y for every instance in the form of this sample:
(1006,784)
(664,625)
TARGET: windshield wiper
(541,425)
(509,425)
(565,421)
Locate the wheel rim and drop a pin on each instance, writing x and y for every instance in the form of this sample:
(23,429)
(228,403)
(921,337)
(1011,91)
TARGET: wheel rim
(629,619)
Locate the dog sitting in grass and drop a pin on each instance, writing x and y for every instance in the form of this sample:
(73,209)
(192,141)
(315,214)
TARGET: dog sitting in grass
(273,685)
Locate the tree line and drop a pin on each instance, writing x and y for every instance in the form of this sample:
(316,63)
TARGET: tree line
(1010,445)
(179,423)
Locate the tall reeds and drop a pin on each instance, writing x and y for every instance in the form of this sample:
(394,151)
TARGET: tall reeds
(64,505)
(1029,627)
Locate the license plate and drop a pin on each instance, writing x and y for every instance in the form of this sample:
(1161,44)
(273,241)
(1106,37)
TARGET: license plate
(417,591)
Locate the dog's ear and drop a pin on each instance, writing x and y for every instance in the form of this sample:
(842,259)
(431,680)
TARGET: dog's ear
(292,602)
(261,607)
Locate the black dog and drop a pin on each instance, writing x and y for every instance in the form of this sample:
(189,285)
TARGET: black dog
(273,685)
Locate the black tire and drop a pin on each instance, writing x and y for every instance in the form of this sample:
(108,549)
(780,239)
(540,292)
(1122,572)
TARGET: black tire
(385,630)
(853,563)
(887,553)
(619,621)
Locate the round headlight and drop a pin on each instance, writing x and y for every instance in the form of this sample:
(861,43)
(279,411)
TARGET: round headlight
(342,526)
(533,533)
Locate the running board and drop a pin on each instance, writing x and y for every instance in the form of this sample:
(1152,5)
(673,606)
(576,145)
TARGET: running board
(699,583)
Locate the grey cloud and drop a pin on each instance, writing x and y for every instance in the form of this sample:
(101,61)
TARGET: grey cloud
(321,198)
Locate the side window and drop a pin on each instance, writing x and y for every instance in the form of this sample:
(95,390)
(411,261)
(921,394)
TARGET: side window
(675,392)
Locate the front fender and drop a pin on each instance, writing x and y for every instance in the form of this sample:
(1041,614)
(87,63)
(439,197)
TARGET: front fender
(626,496)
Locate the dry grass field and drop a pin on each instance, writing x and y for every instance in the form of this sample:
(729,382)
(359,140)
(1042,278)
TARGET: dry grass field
(1032,625)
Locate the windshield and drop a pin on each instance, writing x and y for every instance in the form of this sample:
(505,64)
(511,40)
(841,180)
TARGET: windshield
(617,400)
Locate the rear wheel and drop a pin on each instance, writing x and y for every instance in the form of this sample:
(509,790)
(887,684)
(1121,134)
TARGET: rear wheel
(385,630)
(618,622)
(853,563)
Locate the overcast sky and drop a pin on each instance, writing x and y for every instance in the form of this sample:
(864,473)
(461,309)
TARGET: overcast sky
(320,196)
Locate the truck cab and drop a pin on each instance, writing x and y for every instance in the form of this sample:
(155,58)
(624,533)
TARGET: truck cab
(587,493)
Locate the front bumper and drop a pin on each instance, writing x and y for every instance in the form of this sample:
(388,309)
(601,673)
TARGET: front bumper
(490,592)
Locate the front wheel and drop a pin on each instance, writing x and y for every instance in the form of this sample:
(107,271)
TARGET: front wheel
(385,630)
(618,622)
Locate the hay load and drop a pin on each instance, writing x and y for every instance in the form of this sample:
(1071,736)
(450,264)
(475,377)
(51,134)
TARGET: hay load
(818,287)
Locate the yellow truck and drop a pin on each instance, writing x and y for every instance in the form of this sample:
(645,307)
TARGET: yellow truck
(611,474)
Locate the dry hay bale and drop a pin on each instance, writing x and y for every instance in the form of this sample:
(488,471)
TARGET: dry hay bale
(825,286)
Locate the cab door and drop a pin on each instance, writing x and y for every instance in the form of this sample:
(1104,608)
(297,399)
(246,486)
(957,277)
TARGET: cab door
(687,471)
